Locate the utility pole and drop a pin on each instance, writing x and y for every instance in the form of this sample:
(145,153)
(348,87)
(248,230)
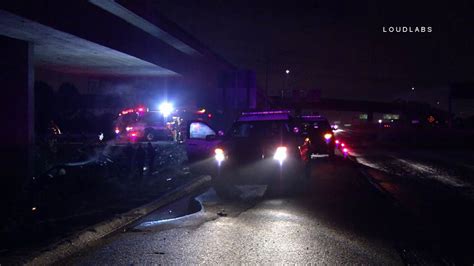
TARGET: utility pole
(267,65)
(286,83)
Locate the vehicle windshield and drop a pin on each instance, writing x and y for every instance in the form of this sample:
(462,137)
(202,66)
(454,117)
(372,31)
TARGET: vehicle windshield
(259,129)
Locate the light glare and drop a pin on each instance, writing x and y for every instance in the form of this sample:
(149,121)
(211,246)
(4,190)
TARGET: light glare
(280,154)
(166,109)
(219,155)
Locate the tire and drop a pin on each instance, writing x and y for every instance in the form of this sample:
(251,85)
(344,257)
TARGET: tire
(332,154)
(150,135)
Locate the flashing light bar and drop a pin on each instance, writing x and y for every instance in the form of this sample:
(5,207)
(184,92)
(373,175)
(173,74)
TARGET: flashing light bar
(311,116)
(130,110)
(126,111)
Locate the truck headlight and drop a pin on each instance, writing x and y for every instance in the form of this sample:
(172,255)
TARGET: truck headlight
(219,155)
(280,154)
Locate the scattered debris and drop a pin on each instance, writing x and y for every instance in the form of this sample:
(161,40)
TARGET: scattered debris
(222,213)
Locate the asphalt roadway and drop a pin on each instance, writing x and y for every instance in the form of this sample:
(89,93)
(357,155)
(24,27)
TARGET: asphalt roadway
(336,217)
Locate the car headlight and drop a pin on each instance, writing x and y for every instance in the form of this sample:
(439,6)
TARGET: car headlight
(219,155)
(280,154)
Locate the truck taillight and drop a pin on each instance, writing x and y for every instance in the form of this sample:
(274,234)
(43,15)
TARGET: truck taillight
(327,136)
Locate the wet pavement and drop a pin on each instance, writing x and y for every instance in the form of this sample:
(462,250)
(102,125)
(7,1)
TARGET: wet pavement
(336,217)
(436,186)
(400,206)
(452,168)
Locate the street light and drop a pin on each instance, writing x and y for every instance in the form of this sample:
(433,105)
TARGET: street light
(286,83)
(413,94)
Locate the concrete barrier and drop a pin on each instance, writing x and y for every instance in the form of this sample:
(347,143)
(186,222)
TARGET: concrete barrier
(70,245)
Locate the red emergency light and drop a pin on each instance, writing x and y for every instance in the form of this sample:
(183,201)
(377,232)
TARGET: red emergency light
(127,111)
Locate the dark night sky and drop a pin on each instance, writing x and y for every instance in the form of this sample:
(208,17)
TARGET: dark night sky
(338,47)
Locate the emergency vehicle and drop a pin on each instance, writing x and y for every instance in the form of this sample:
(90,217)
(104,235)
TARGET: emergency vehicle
(145,124)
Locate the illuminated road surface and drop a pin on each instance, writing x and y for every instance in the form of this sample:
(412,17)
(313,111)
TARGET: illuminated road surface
(338,220)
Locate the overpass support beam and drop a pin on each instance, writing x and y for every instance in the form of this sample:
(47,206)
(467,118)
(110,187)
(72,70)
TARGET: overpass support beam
(17,116)
(370,116)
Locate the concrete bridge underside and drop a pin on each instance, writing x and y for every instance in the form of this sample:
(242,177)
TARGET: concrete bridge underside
(91,38)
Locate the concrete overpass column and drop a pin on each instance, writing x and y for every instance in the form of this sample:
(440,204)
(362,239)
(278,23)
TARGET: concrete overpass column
(17,115)
(370,116)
